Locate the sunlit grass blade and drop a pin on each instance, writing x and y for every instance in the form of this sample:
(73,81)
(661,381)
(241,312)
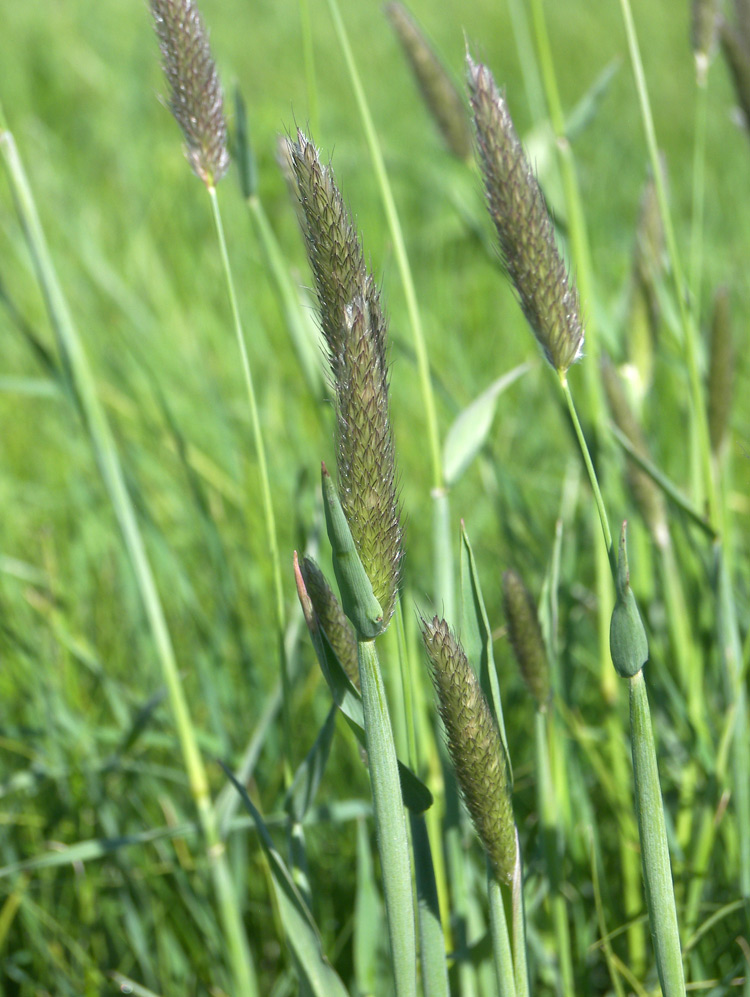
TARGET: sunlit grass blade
(301,932)
(105,450)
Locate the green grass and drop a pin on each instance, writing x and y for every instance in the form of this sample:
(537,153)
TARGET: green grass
(88,747)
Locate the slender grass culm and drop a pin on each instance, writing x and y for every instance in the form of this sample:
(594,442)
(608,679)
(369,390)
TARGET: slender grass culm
(196,100)
(549,301)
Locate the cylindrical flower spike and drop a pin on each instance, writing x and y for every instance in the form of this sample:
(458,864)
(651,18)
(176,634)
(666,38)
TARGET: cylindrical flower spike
(195,95)
(438,90)
(355,333)
(547,295)
(526,637)
(474,745)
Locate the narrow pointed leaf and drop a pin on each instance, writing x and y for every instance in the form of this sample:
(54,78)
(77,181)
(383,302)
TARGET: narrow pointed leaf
(302,935)
(467,435)
(307,778)
(476,637)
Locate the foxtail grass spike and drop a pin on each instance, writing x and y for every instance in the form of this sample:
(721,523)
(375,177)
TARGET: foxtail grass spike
(354,329)
(647,495)
(704,34)
(436,86)
(195,96)
(474,745)
(526,637)
(548,296)
(627,636)
(721,371)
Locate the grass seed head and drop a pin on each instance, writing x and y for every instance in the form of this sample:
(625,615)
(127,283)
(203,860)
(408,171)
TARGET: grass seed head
(195,95)
(338,629)
(354,329)
(526,637)
(474,745)
(436,86)
(547,295)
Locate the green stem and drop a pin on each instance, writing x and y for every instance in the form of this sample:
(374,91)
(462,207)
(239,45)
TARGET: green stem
(390,823)
(593,480)
(265,485)
(698,196)
(520,966)
(552,840)
(501,949)
(105,450)
(657,870)
(690,334)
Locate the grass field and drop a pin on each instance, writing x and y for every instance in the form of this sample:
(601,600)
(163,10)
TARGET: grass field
(107,877)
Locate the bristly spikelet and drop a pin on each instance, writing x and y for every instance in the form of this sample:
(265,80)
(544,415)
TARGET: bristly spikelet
(436,86)
(720,372)
(474,745)
(355,329)
(195,95)
(547,295)
(328,609)
(526,637)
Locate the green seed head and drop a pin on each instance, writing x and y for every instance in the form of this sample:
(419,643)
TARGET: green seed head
(354,328)
(721,371)
(474,745)
(332,619)
(628,643)
(526,637)
(548,297)
(438,90)
(195,95)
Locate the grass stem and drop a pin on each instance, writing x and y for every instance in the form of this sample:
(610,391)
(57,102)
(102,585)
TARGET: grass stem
(390,823)
(265,486)
(105,450)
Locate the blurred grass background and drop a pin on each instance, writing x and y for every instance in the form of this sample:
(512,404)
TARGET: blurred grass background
(87,747)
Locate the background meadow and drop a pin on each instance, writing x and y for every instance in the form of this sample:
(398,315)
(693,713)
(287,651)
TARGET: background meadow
(102,871)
